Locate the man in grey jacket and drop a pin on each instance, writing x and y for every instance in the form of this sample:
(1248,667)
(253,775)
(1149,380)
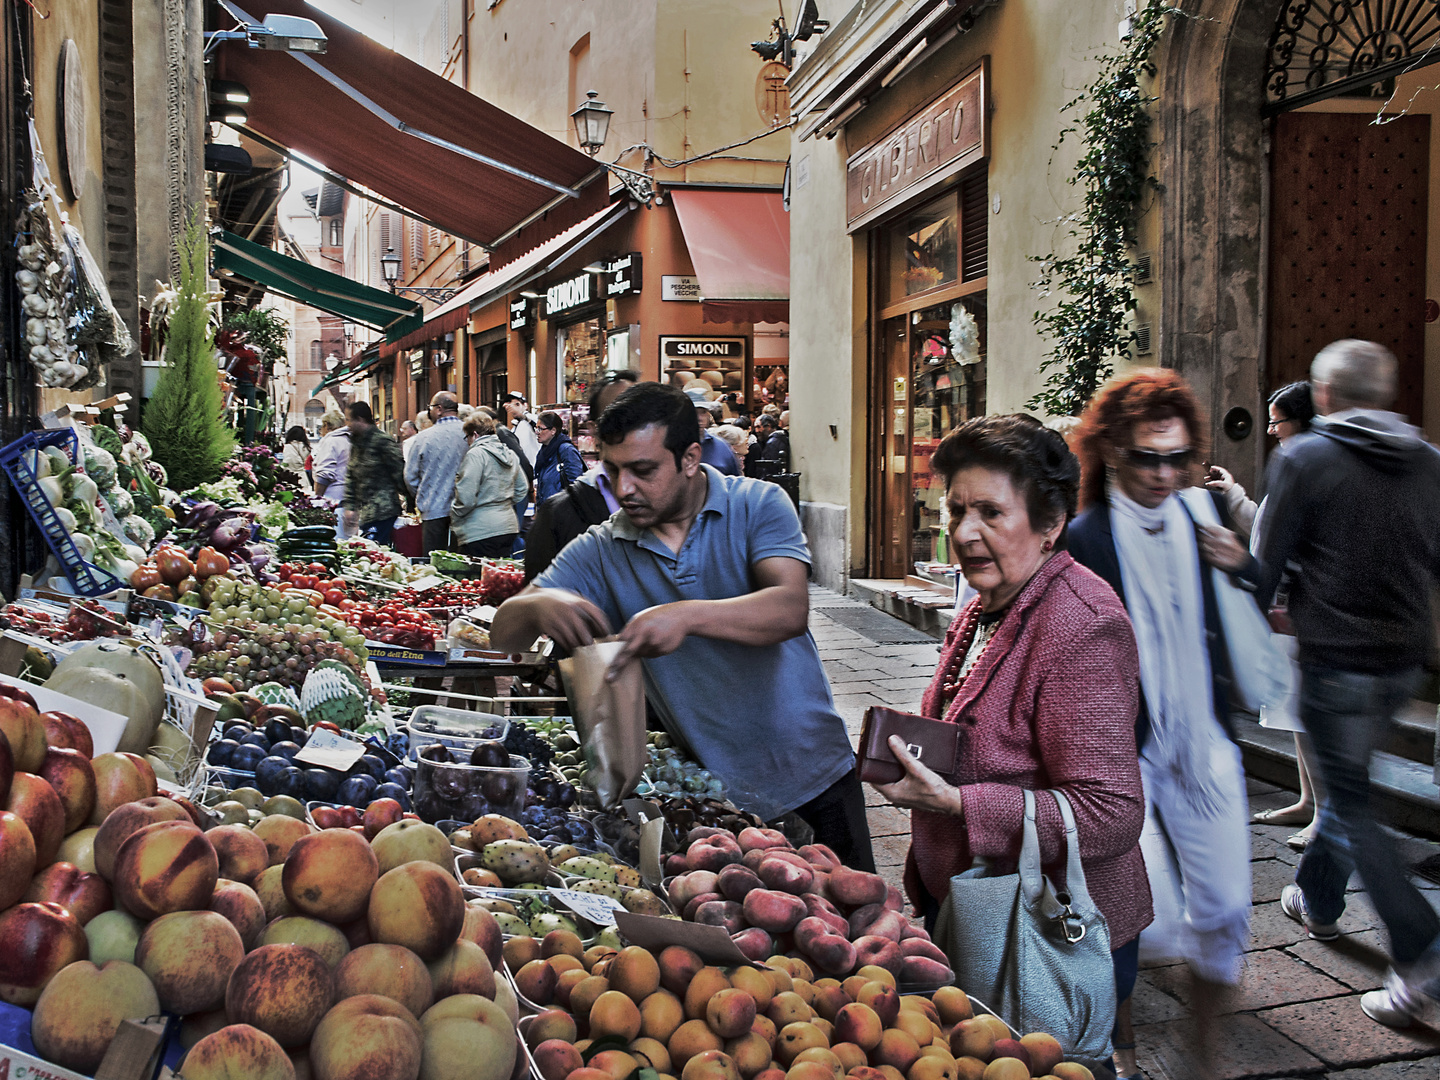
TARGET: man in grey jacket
(1354,514)
(432,459)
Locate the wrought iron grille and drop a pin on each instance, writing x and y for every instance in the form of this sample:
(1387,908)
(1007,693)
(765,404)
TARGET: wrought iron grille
(1324,48)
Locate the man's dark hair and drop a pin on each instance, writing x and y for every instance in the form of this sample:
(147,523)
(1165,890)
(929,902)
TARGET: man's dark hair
(627,375)
(1295,403)
(646,404)
(765,420)
(1036,459)
(360,410)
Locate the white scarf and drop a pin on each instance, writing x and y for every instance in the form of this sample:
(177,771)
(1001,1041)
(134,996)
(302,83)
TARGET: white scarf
(1160,570)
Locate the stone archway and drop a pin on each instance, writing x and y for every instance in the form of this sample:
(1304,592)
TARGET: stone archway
(1211,159)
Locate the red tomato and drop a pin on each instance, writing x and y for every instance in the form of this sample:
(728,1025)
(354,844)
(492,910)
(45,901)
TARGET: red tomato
(334,596)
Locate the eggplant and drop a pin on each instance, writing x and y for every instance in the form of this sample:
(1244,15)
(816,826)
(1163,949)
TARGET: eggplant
(201,513)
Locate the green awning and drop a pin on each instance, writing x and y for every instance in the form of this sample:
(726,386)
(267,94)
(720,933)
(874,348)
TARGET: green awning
(361,364)
(319,288)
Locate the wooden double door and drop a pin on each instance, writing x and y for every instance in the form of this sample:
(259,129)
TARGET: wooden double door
(1348,233)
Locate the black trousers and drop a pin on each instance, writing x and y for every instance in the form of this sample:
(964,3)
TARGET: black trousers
(492,547)
(435,535)
(837,815)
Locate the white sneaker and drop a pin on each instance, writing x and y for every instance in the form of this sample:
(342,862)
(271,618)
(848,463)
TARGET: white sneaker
(1399,1004)
(1292,902)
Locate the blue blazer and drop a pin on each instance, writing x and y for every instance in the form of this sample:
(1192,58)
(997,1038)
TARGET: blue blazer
(1092,544)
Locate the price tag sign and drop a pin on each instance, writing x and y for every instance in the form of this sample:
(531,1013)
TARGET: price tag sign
(429,581)
(591,907)
(330,751)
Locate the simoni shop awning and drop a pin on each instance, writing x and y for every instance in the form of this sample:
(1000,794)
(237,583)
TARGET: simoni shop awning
(311,285)
(373,117)
(739,243)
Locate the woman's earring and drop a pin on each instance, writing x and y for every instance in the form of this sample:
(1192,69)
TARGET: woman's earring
(1047,545)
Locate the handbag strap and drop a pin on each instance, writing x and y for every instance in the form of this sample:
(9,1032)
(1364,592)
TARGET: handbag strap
(1032,879)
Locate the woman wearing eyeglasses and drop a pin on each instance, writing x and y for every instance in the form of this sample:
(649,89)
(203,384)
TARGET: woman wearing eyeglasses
(1140,445)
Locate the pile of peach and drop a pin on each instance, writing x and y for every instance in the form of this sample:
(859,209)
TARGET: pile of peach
(611,1013)
(773,899)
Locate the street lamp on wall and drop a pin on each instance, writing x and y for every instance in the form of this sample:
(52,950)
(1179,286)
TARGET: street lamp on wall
(592,123)
(390,267)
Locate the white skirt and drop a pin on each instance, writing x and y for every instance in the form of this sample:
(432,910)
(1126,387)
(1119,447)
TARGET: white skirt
(1285,717)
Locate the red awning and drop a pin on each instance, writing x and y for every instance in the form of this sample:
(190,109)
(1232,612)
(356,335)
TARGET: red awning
(495,284)
(739,243)
(378,119)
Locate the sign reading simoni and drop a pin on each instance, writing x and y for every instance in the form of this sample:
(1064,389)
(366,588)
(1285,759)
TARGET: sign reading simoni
(933,143)
(568,294)
(703,348)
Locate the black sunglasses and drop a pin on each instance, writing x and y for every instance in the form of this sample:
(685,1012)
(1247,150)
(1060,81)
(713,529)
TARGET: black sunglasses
(1179,460)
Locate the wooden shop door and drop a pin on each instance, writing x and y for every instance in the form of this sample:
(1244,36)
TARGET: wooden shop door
(890,427)
(1348,229)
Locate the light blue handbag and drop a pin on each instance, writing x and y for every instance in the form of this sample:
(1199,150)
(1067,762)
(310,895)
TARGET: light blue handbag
(1035,953)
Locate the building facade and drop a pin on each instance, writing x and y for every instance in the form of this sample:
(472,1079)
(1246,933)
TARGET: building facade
(928,173)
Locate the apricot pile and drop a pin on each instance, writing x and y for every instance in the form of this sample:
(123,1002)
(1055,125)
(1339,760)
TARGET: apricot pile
(691,1021)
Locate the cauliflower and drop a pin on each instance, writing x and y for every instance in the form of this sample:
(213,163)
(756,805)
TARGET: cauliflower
(120,502)
(139,530)
(100,466)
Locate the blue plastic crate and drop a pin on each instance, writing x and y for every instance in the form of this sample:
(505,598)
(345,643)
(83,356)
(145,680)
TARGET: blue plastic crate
(86,578)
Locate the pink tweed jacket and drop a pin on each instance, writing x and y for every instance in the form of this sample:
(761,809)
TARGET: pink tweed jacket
(1050,704)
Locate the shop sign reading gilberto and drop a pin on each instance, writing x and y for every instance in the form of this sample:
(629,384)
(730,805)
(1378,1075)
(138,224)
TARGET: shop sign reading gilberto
(930,145)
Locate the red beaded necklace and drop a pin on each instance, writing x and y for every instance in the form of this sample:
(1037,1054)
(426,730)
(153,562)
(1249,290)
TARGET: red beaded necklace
(964,638)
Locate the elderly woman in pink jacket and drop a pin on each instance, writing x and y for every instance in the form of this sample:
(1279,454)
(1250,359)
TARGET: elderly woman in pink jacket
(1041,672)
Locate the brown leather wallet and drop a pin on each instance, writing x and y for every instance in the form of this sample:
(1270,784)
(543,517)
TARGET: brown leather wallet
(935,743)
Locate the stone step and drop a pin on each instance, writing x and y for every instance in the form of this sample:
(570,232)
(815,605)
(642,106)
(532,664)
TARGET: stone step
(1413,736)
(1403,789)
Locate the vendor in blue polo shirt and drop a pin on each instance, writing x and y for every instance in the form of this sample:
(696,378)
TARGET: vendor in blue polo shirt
(706,579)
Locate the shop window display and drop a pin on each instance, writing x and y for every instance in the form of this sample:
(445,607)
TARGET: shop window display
(947,387)
(582,350)
(924,249)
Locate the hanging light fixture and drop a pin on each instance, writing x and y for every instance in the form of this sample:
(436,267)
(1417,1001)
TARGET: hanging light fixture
(592,123)
(390,266)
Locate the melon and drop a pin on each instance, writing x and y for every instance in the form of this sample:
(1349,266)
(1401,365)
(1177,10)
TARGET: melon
(120,678)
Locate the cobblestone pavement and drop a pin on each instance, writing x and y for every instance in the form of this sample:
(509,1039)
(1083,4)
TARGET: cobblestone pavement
(1296,1012)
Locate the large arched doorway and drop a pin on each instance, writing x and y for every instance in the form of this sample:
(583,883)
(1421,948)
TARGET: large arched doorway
(1238,164)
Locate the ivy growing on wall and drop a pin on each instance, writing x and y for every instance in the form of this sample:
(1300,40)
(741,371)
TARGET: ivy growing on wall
(1089,326)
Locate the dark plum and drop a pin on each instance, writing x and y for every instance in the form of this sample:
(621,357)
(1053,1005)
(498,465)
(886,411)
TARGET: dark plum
(238,731)
(222,752)
(246,757)
(292,782)
(449,784)
(322,784)
(267,774)
(357,790)
(436,752)
(299,735)
(371,766)
(430,807)
(285,748)
(396,792)
(491,755)
(500,787)
(277,731)
(256,738)
(397,776)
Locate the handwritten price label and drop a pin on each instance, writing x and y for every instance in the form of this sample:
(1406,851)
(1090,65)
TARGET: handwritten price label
(592,907)
(330,751)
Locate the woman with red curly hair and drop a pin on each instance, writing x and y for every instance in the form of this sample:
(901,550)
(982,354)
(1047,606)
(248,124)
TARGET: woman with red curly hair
(1141,444)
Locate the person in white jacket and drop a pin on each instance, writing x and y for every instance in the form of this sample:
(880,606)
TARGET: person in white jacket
(331,462)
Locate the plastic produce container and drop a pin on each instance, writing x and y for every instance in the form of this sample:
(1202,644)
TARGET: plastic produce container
(458,729)
(467,792)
